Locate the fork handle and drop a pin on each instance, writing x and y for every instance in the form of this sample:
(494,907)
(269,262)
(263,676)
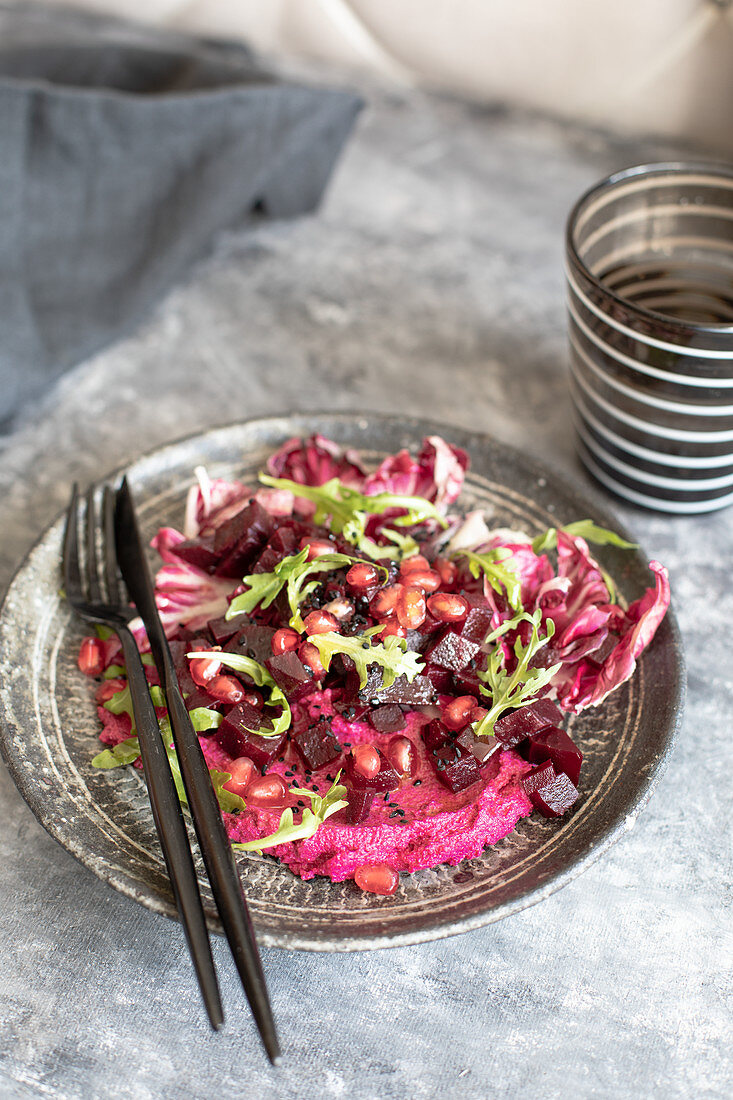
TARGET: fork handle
(171,829)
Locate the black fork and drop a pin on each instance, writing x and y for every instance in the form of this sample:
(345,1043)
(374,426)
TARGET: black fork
(96,595)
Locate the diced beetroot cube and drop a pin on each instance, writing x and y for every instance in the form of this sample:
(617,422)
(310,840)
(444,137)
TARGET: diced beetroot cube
(417,640)
(200,698)
(178,649)
(477,625)
(554,744)
(222,629)
(241,538)
(490,766)
(360,803)
(236,739)
(418,692)
(467,683)
(455,766)
(317,745)
(387,719)
(284,540)
(538,778)
(290,675)
(199,552)
(554,798)
(252,522)
(435,734)
(252,640)
(386,778)
(518,724)
(451,651)
(244,716)
(487,751)
(344,675)
(440,678)
(351,712)
(266,561)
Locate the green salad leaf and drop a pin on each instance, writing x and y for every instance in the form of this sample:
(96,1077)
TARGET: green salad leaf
(392,655)
(126,752)
(291,573)
(230,803)
(509,690)
(113,671)
(499,576)
(262,678)
(585,529)
(322,806)
(349,509)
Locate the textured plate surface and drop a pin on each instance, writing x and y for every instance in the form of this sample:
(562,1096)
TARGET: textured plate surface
(49,724)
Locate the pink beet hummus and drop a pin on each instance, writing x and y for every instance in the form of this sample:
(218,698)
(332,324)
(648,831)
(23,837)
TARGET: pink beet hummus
(437,826)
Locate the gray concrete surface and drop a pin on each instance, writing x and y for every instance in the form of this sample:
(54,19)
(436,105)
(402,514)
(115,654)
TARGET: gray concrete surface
(430,282)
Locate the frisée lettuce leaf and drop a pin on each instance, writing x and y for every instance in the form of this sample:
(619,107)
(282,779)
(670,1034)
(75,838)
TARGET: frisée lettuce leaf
(322,806)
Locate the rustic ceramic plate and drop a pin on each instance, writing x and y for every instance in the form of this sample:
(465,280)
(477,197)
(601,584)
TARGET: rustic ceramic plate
(50,728)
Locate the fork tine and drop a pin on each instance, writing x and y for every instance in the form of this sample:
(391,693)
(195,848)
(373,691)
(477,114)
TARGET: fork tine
(92,565)
(70,554)
(110,559)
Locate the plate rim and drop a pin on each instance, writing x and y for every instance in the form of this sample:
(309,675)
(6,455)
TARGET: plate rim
(304,423)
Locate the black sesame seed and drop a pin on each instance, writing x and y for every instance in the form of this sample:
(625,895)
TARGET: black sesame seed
(289,774)
(397,813)
(301,803)
(417,783)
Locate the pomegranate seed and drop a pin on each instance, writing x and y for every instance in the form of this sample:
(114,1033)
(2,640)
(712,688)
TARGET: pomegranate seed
(109,688)
(340,608)
(377,878)
(91,656)
(411,608)
(317,547)
(447,608)
(416,564)
(203,669)
(254,699)
(226,689)
(427,579)
(393,628)
(384,604)
(266,791)
(402,755)
(362,576)
(447,571)
(366,760)
(242,771)
(456,713)
(320,622)
(477,715)
(311,658)
(284,640)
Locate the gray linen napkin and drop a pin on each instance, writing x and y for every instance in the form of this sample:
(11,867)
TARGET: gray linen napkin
(122,155)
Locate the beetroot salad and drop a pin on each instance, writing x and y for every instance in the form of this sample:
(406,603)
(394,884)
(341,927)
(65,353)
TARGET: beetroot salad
(378,680)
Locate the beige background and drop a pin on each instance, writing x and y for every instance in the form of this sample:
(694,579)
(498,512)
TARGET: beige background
(637,66)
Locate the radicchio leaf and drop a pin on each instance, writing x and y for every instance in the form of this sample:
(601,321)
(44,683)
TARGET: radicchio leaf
(211,502)
(436,474)
(590,684)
